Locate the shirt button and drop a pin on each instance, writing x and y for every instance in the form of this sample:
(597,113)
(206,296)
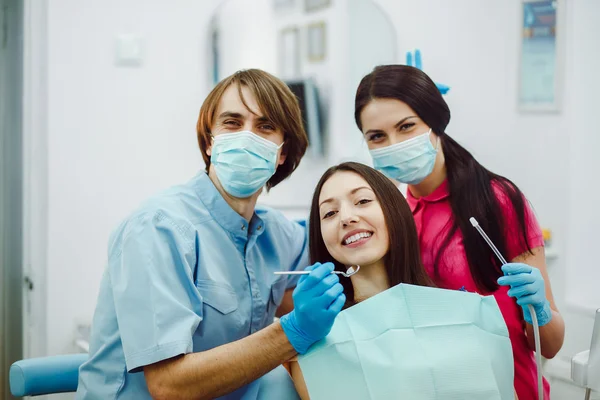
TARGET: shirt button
(243,227)
(259,227)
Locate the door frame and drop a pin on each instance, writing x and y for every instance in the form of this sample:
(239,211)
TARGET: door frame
(35,176)
(11,189)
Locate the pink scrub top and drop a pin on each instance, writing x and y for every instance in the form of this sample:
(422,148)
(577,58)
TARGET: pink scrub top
(433,215)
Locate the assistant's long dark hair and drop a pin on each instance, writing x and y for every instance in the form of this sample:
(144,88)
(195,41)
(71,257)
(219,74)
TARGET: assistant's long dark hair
(403,259)
(471,190)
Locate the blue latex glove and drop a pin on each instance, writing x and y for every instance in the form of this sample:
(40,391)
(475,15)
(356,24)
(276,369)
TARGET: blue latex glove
(419,65)
(527,286)
(318,299)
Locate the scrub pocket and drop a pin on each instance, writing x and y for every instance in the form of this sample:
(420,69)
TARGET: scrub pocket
(222,321)
(218,295)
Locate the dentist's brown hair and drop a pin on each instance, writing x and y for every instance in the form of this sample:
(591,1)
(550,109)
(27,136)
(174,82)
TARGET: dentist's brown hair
(403,259)
(276,101)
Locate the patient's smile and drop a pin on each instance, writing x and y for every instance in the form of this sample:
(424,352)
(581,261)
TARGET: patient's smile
(357,239)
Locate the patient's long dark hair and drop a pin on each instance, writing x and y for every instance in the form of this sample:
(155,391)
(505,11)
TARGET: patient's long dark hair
(403,260)
(471,191)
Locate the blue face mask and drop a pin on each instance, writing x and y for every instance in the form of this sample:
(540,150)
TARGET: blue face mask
(408,162)
(243,161)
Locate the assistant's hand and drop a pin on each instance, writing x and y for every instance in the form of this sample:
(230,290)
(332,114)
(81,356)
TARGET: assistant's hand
(527,286)
(417,63)
(318,299)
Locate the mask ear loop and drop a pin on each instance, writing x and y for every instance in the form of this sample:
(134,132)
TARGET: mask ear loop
(437,142)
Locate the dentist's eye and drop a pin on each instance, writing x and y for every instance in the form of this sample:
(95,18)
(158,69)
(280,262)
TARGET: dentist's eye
(376,137)
(231,122)
(364,201)
(267,127)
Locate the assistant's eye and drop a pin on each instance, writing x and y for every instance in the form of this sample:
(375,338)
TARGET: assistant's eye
(364,201)
(407,126)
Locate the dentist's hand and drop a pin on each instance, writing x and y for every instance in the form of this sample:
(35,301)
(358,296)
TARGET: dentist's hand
(527,286)
(318,299)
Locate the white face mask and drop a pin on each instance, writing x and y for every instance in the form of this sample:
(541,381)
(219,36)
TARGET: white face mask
(408,162)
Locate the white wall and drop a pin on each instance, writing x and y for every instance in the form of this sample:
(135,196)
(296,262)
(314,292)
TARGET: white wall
(116,135)
(246,35)
(583,131)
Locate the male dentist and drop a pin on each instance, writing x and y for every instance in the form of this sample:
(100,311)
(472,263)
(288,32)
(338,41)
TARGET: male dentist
(188,299)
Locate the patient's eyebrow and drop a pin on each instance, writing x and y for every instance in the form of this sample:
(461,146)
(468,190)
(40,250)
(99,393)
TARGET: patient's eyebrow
(329,200)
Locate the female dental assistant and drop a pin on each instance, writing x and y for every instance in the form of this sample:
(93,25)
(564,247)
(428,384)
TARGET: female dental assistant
(403,118)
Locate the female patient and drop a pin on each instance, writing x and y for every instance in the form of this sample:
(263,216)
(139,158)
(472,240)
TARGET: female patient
(358,217)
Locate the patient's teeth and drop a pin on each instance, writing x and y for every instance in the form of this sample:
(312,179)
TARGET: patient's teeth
(356,237)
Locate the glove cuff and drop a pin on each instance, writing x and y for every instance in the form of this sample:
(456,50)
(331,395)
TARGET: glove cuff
(543,313)
(298,340)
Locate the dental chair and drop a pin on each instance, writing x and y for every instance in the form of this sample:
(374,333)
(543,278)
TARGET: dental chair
(585,366)
(45,375)
(60,374)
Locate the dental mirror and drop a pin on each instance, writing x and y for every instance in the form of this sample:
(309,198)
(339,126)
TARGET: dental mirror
(349,272)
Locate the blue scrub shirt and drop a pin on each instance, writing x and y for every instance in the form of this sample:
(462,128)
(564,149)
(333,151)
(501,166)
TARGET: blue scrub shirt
(186,273)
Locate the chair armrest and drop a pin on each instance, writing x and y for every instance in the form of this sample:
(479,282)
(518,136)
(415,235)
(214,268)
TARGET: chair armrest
(45,375)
